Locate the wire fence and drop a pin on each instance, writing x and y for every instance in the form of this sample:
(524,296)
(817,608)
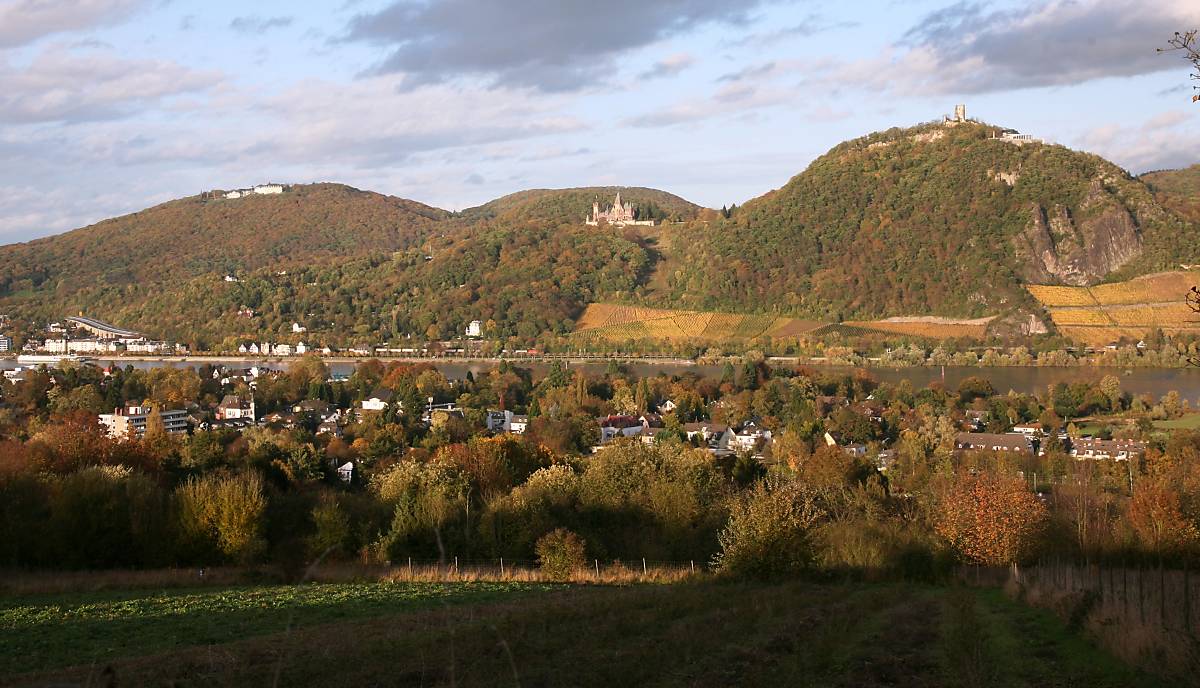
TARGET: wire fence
(456,569)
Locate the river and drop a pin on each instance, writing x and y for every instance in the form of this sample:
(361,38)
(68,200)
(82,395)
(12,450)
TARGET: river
(1153,381)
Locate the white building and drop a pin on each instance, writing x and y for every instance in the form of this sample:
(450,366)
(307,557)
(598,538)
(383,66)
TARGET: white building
(475,329)
(133,419)
(297,328)
(6,343)
(283,350)
(517,424)
(301,348)
(379,400)
(268,189)
(233,407)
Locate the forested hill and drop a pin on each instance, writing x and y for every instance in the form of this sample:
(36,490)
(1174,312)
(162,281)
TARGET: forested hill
(935,219)
(352,266)
(208,233)
(565,206)
(1177,189)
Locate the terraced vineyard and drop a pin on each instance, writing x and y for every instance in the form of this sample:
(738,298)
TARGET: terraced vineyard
(1107,313)
(618,323)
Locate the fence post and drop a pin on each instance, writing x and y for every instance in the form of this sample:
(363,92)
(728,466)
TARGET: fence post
(597,562)
(1162,596)
(1187,600)
(410,571)
(501,567)
(644,566)
(455,567)
(1141,595)
(693,563)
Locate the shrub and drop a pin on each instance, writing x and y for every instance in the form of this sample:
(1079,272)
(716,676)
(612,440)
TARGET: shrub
(769,531)
(225,514)
(560,553)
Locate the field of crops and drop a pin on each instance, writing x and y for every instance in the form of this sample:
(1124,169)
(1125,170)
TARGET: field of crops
(50,631)
(615,323)
(1107,313)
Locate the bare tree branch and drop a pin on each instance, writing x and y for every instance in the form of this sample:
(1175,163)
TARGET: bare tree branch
(1186,42)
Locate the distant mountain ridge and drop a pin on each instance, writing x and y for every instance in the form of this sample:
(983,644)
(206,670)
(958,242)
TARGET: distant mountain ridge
(931,220)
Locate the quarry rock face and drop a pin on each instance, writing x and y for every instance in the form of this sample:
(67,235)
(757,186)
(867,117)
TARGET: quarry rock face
(1080,247)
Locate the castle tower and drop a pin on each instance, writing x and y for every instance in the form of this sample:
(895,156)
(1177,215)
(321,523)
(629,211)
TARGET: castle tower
(960,113)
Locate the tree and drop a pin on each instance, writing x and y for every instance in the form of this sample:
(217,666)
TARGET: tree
(560,553)
(989,518)
(1186,43)
(769,532)
(1156,515)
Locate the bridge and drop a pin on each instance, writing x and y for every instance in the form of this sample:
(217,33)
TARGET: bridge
(102,329)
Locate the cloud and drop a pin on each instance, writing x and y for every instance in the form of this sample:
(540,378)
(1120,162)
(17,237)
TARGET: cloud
(552,46)
(668,66)
(255,24)
(474,179)
(810,26)
(967,48)
(1165,141)
(25,21)
(748,73)
(61,85)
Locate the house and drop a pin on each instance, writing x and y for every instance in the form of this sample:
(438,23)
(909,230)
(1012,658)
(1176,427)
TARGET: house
(750,438)
(650,434)
(329,427)
(283,350)
(706,431)
(134,419)
(297,328)
(651,420)
(517,424)
(986,441)
(499,421)
(666,407)
(253,348)
(613,427)
(242,349)
(6,343)
(885,459)
(301,349)
(317,408)
(346,472)
(1030,429)
(235,407)
(379,400)
(475,329)
(1115,450)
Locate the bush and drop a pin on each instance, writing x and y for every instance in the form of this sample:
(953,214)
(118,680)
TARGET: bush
(225,514)
(769,531)
(560,553)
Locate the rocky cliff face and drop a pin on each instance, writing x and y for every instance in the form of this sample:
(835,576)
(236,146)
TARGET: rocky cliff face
(1080,247)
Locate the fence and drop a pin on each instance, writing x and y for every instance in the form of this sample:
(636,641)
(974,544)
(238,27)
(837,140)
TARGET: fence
(1154,597)
(454,569)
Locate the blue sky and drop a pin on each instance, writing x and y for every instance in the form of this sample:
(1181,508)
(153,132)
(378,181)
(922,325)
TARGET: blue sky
(108,106)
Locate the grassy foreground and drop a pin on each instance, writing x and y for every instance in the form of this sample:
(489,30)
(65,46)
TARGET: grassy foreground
(696,634)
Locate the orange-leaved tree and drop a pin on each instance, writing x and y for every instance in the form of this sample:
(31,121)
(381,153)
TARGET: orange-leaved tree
(990,518)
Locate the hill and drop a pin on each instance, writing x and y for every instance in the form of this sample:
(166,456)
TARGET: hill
(881,233)
(570,206)
(1130,310)
(1177,189)
(937,220)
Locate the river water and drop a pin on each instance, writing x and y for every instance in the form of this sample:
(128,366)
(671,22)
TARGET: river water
(1153,381)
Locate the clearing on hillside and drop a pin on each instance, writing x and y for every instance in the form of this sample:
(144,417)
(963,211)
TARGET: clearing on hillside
(1107,313)
(927,327)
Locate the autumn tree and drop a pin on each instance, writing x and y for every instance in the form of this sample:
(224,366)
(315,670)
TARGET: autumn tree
(989,518)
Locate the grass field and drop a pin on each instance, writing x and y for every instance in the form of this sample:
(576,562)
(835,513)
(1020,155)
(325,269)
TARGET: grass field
(39,632)
(1107,313)
(694,634)
(1188,422)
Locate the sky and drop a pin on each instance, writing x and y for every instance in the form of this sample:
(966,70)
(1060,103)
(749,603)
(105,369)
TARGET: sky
(111,106)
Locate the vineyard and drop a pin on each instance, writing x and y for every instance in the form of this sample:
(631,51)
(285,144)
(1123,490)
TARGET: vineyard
(926,327)
(615,323)
(1108,313)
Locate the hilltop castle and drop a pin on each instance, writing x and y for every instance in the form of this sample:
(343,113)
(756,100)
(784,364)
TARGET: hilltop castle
(619,214)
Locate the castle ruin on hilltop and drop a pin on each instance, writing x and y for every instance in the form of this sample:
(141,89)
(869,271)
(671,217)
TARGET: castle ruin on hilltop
(620,214)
